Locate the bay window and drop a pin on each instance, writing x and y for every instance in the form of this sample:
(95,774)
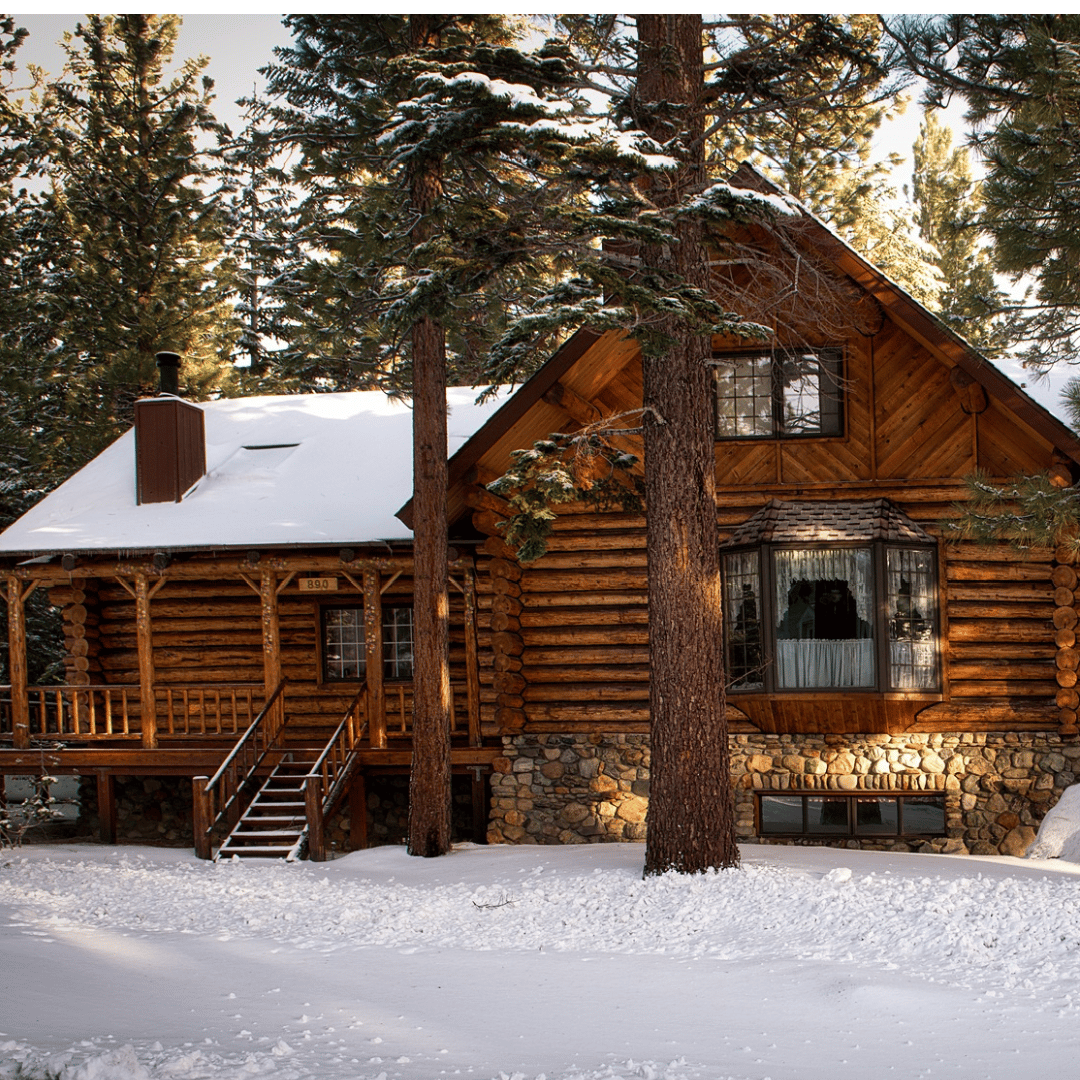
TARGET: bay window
(815,617)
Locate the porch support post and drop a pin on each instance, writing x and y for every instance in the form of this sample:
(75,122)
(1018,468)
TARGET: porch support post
(20,701)
(314,808)
(374,648)
(106,798)
(145,636)
(271,637)
(472,667)
(200,816)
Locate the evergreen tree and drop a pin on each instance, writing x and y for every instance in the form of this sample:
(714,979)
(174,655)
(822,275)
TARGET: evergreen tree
(662,223)
(947,205)
(28,401)
(134,225)
(1020,77)
(416,142)
(265,254)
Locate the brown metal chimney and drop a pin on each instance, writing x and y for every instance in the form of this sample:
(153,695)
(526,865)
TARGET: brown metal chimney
(170,440)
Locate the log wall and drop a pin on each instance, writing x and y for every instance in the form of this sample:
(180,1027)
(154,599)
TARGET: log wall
(915,426)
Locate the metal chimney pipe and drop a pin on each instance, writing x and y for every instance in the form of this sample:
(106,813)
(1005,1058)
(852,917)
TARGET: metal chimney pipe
(169,365)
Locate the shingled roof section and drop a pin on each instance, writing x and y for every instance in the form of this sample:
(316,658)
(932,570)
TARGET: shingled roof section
(834,522)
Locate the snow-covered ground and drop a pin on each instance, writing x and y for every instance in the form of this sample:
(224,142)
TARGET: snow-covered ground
(522,962)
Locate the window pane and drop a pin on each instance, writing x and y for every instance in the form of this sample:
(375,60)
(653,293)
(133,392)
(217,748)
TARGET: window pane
(911,607)
(810,391)
(877,815)
(742,620)
(827,814)
(924,814)
(781,814)
(343,643)
(744,397)
(397,643)
(824,600)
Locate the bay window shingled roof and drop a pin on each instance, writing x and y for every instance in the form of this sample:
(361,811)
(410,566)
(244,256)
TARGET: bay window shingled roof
(781,522)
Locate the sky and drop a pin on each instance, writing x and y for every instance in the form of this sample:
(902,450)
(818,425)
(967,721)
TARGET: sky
(238,45)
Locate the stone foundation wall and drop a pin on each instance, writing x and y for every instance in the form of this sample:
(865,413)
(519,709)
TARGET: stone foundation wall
(149,810)
(552,789)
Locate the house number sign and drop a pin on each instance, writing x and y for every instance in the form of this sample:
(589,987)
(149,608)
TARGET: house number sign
(318,584)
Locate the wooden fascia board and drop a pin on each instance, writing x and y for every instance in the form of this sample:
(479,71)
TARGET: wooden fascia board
(514,410)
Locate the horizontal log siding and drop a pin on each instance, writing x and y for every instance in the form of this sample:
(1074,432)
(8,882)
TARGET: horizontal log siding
(583,624)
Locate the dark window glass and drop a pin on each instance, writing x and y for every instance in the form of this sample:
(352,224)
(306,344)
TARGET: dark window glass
(344,648)
(781,814)
(789,394)
(742,617)
(862,814)
(875,815)
(924,815)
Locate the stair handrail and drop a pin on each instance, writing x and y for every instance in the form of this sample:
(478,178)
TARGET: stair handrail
(248,746)
(329,773)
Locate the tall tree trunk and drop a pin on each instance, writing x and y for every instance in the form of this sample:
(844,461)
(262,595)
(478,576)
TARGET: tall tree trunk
(429,786)
(691,818)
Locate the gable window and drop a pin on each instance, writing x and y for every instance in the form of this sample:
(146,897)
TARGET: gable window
(345,650)
(854,615)
(790,393)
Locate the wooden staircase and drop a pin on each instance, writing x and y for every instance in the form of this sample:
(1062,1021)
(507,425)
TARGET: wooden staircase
(285,818)
(275,824)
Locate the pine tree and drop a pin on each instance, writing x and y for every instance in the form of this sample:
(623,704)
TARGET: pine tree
(663,222)
(947,205)
(265,255)
(416,139)
(1020,77)
(28,400)
(134,225)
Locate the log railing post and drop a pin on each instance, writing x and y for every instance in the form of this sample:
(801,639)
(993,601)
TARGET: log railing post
(145,641)
(271,636)
(313,805)
(17,676)
(374,664)
(200,816)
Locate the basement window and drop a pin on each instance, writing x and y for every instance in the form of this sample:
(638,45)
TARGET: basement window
(781,394)
(344,647)
(859,814)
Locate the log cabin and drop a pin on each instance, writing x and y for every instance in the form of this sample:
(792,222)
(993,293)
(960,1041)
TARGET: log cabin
(889,684)
(236,600)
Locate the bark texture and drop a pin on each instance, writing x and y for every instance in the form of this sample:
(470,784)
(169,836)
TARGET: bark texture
(429,785)
(691,816)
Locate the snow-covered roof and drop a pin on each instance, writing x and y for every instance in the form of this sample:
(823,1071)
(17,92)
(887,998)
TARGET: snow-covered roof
(303,469)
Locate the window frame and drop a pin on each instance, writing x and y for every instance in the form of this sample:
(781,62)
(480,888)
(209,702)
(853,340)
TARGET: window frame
(325,678)
(851,832)
(831,360)
(880,625)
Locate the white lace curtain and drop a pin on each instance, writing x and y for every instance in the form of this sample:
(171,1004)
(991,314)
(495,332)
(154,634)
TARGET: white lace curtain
(852,565)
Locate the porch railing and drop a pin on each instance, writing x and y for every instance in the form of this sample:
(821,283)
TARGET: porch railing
(398,705)
(331,772)
(112,711)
